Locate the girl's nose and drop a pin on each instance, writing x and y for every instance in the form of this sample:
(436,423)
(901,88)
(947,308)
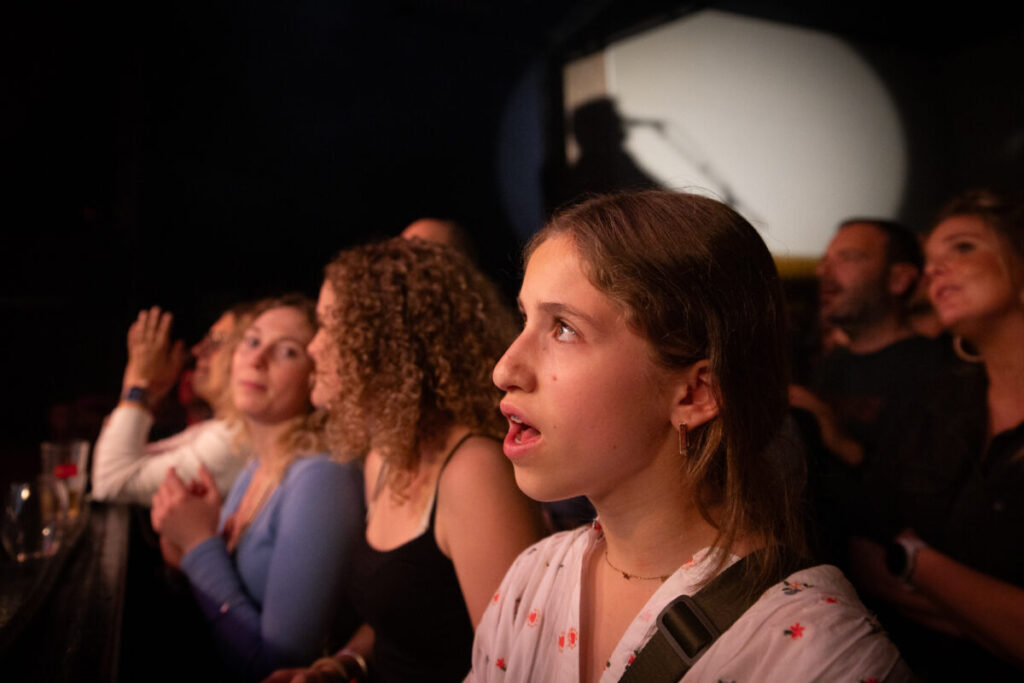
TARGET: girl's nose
(512,370)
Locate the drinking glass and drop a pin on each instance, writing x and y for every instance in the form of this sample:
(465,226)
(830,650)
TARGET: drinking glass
(69,462)
(33,511)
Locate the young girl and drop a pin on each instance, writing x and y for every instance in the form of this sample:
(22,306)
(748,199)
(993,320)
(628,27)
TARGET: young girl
(650,377)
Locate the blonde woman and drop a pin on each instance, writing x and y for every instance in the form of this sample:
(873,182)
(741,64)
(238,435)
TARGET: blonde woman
(268,568)
(127,468)
(952,568)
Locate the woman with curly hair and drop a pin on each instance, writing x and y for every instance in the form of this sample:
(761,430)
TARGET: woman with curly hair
(268,568)
(409,332)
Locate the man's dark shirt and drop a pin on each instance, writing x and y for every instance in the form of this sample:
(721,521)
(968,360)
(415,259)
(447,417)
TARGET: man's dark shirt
(863,389)
(866,392)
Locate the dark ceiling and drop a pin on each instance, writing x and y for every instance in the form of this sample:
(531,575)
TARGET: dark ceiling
(195,153)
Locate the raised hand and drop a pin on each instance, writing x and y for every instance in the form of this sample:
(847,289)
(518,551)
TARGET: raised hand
(154,363)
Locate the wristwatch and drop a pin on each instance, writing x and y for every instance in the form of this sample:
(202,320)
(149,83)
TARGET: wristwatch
(136,394)
(901,556)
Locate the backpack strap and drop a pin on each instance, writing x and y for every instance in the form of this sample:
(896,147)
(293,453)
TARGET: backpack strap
(689,625)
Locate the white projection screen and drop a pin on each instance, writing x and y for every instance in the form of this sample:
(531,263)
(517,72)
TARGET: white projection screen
(791,126)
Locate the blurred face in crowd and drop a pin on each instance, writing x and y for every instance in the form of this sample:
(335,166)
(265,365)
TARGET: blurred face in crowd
(270,372)
(853,276)
(432,230)
(325,385)
(974,276)
(213,360)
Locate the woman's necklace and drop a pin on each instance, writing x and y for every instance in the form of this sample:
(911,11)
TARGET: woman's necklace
(629,577)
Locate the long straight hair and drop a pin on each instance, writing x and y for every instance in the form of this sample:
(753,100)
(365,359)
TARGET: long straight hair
(695,279)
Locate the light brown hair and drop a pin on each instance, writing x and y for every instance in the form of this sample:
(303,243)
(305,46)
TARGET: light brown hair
(695,279)
(305,434)
(417,330)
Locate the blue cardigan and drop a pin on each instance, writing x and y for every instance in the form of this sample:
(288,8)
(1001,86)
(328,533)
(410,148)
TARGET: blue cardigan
(272,604)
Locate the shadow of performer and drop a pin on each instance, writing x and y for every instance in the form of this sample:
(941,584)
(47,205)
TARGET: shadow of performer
(603,165)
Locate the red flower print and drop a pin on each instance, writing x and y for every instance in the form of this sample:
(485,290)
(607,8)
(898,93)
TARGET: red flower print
(573,637)
(533,618)
(597,525)
(632,658)
(561,641)
(795,631)
(496,596)
(689,563)
(794,587)
(869,680)
(501,664)
(830,600)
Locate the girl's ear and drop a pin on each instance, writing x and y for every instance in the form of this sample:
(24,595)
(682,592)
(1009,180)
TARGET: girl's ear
(694,401)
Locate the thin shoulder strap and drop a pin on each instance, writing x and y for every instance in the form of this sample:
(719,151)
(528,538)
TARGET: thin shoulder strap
(689,626)
(456,447)
(437,485)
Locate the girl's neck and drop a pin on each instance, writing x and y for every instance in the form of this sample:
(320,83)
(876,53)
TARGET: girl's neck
(651,527)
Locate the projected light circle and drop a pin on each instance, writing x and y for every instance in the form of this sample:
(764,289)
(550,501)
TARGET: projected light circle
(792,125)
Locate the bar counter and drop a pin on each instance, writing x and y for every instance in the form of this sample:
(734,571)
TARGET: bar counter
(61,617)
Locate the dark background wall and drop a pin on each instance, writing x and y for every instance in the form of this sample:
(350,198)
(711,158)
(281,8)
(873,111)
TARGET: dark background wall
(194,154)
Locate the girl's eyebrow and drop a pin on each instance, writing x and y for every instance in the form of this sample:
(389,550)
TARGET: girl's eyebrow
(557,309)
(959,235)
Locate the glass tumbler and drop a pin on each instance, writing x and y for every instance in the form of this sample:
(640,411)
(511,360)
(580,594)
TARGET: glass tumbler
(32,518)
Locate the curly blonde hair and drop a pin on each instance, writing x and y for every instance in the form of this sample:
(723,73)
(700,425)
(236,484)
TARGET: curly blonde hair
(417,330)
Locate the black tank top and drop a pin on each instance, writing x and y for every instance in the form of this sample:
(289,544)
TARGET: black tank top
(412,599)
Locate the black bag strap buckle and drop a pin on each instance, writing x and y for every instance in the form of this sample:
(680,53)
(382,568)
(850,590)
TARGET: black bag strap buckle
(687,629)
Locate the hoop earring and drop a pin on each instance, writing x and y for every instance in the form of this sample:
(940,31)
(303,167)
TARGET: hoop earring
(958,348)
(684,447)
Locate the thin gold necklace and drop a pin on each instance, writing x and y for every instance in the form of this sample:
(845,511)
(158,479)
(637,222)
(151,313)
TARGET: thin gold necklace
(629,577)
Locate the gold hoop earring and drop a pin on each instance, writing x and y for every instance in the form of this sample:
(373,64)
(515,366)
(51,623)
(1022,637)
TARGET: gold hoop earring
(958,348)
(684,446)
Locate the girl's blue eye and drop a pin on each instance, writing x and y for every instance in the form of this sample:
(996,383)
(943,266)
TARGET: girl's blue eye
(251,341)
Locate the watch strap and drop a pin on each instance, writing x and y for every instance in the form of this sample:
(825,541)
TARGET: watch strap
(911,545)
(136,394)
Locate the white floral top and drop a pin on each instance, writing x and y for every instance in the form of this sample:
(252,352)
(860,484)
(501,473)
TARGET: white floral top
(809,627)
